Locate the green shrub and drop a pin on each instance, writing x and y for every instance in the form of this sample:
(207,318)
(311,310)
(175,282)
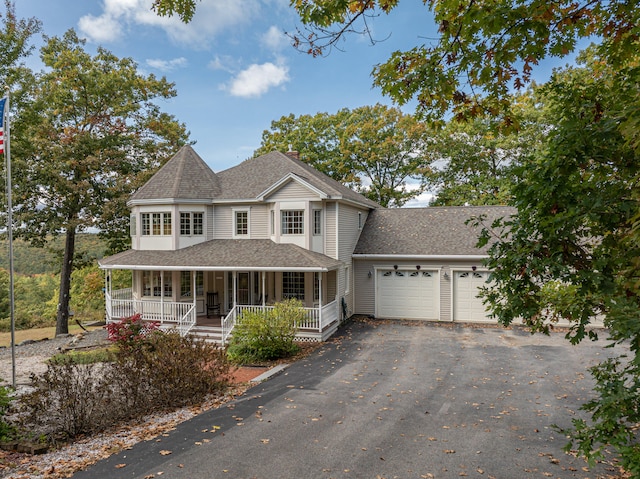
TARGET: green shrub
(7,430)
(265,336)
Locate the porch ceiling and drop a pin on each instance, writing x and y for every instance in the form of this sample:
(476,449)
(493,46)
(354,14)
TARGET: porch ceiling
(225,255)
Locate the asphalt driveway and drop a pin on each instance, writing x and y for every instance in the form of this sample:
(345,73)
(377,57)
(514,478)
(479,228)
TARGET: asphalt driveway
(391,400)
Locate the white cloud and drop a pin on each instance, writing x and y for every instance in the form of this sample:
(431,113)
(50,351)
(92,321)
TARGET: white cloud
(212,18)
(274,39)
(167,65)
(258,79)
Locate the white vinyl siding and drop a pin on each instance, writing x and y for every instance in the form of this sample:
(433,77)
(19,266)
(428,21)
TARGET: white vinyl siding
(330,233)
(293,190)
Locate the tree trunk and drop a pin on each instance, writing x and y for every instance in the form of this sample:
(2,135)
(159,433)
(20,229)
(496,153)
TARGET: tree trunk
(62,320)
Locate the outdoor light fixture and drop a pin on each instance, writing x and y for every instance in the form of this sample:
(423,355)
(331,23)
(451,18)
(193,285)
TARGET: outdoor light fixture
(369,273)
(418,267)
(473,268)
(446,275)
(395,266)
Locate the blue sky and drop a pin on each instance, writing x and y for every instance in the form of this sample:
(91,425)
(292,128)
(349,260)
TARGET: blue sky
(234,69)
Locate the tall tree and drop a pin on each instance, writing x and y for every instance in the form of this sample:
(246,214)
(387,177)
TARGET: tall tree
(572,250)
(15,46)
(376,150)
(81,145)
(477,158)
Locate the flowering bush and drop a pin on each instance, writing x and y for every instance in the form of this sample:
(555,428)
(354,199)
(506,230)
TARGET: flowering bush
(130,331)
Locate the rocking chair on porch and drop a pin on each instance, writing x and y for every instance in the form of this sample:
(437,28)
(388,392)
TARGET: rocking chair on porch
(213,305)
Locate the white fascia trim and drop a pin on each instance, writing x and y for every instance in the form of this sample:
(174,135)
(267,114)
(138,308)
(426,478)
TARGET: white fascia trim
(471,257)
(169,201)
(212,268)
(291,176)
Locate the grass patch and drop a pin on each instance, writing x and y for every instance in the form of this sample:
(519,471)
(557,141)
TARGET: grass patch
(37,334)
(100,355)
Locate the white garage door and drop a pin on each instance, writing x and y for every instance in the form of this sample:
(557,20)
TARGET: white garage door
(407,294)
(466,304)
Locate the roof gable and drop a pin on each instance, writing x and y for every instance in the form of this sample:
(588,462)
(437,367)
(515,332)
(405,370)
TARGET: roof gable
(255,176)
(185,176)
(286,183)
(437,231)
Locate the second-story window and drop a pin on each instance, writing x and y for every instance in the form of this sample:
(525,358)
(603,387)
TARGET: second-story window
(156,224)
(191,224)
(242,223)
(317,222)
(292,222)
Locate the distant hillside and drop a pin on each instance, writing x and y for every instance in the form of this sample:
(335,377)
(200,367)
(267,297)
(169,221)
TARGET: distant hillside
(28,260)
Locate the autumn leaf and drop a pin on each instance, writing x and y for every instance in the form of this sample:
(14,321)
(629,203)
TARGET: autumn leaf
(164,452)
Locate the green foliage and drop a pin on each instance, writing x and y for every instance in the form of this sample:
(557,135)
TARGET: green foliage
(266,335)
(28,260)
(167,371)
(7,430)
(484,50)
(615,415)
(374,150)
(572,250)
(89,136)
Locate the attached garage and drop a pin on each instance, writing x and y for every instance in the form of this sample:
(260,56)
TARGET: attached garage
(407,294)
(467,306)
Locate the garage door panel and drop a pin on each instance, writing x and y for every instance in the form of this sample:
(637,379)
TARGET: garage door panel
(467,306)
(407,294)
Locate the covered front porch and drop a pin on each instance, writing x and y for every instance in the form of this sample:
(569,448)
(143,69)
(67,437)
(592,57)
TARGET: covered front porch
(207,300)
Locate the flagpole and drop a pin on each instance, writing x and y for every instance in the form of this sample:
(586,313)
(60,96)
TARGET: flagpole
(7,153)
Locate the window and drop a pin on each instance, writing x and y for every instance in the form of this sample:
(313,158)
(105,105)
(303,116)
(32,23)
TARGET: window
(273,222)
(156,224)
(316,287)
(293,285)
(317,222)
(152,283)
(146,224)
(132,225)
(242,223)
(168,289)
(187,220)
(292,222)
(198,223)
(185,283)
(347,279)
(185,225)
(167,224)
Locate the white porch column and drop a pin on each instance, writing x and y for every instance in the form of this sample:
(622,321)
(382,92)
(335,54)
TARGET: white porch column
(193,292)
(264,290)
(320,299)
(235,287)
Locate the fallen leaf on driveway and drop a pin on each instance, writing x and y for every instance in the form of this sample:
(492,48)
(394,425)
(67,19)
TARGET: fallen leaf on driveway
(120,466)
(164,452)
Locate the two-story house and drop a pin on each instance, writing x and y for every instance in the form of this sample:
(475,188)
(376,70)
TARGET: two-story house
(206,246)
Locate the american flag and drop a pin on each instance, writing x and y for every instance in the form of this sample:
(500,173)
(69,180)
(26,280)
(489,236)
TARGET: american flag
(2,103)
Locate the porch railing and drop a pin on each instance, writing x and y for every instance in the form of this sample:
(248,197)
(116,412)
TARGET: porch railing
(316,318)
(168,314)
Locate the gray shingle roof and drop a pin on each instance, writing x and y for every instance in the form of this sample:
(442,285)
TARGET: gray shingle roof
(185,176)
(425,231)
(229,254)
(255,175)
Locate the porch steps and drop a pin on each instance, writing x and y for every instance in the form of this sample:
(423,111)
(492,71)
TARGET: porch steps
(208,333)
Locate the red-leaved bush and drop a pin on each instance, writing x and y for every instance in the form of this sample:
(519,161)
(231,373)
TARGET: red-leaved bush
(130,331)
